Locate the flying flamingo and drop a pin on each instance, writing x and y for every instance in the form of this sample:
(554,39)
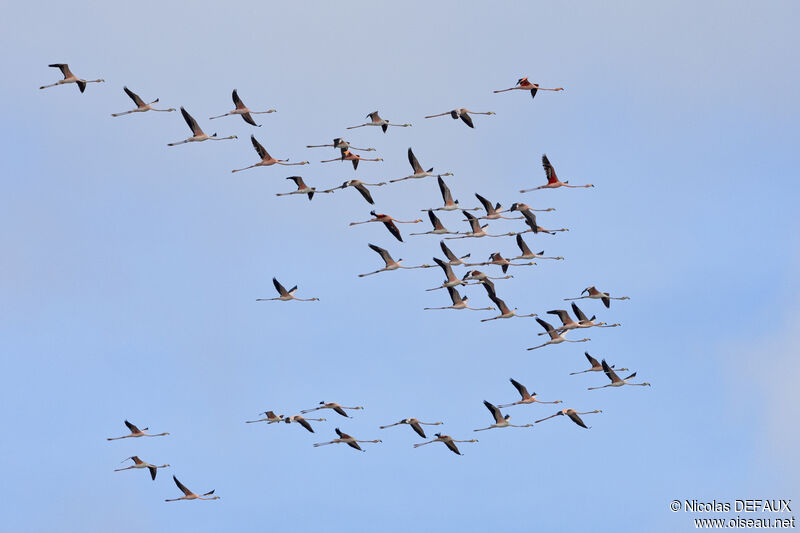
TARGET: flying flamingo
(271,418)
(449,203)
(285,295)
(526,396)
(141,106)
(527,253)
(477,230)
(389,222)
(136,432)
(197,133)
(463,114)
(497,259)
(519,206)
(596,366)
(524,85)
(415,424)
(482,277)
(584,322)
(138,463)
(360,186)
(451,281)
(505,312)
(438,227)
(347,155)
(418,171)
(376,120)
(459,302)
(340,144)
(566,321)
(339,409)
(573,415)
(492,211)
(552,180)
(346,439)
(391,264)
(69,77)
(266,159)
(555,336)
(302,188)
(615,379)
(243,111)
(303,421)
(452,259)
(594,294)
(447,440)
(189,495)
(500,421)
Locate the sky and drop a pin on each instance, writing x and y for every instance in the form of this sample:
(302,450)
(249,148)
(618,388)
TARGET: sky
(130,269)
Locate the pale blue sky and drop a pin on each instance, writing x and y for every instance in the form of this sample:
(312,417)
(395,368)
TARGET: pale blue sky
(130,269)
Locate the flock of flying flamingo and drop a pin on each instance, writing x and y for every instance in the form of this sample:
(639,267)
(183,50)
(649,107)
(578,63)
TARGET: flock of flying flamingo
(493,211)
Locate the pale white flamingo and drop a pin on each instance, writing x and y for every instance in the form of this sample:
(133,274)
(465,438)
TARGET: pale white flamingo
(438,227)
(360,186)
(459,302)
(376,120)
(527,253)
(303,421)
(477,230)
(492,210)
(136,432)
(615,379)
(463,114)
(347,155)
(391,264)
(346,439)
(497,259)
(389,222)
(451,281)
(505,312)
(593,294)
(197,133)
(138,463)
(530,220)
(584,322)
(448,441)
(415,424)
(69,77)
(449,203)
(339,409)
(189,495)
(243,111)
(266,159)
(271,418)
(526,396)
(524,85)
(519,206)
(482,277)
(596,366)
(500,421)
(573,415)
(302,188)
(340,144)
(552,180)
(555,336)
(452,259)
(141,106)
(285,295)
(418,170)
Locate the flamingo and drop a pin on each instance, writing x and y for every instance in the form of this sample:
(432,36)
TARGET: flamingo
(497,259)
(391,264)
(447,440)
(615,379)
(360,186)
(463,114)
(566,321)
(266,159)
(418,171)
(527,253)
(197,133)
(302,188)
(519,206)
(376,120)
(189,495)
(552,180)
(594,294)
(438,227)
(451,281)
(136,432)
(596,366)
(285,295)
(500,421)
(303,421)
(524,85)
(69,77)
(415,424)
(449,203)
(271,418)
(477,230)
(584,322)
(573,415)
(505,312)
(340,144)
(339,409)
(530,220)
(138,463)
(141,106)
(389,222)
(459,302)
(481,277)
(346,439)
(347,155)
(526,396)
(452,259)
(555,336)
(492,211)
(243,111)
